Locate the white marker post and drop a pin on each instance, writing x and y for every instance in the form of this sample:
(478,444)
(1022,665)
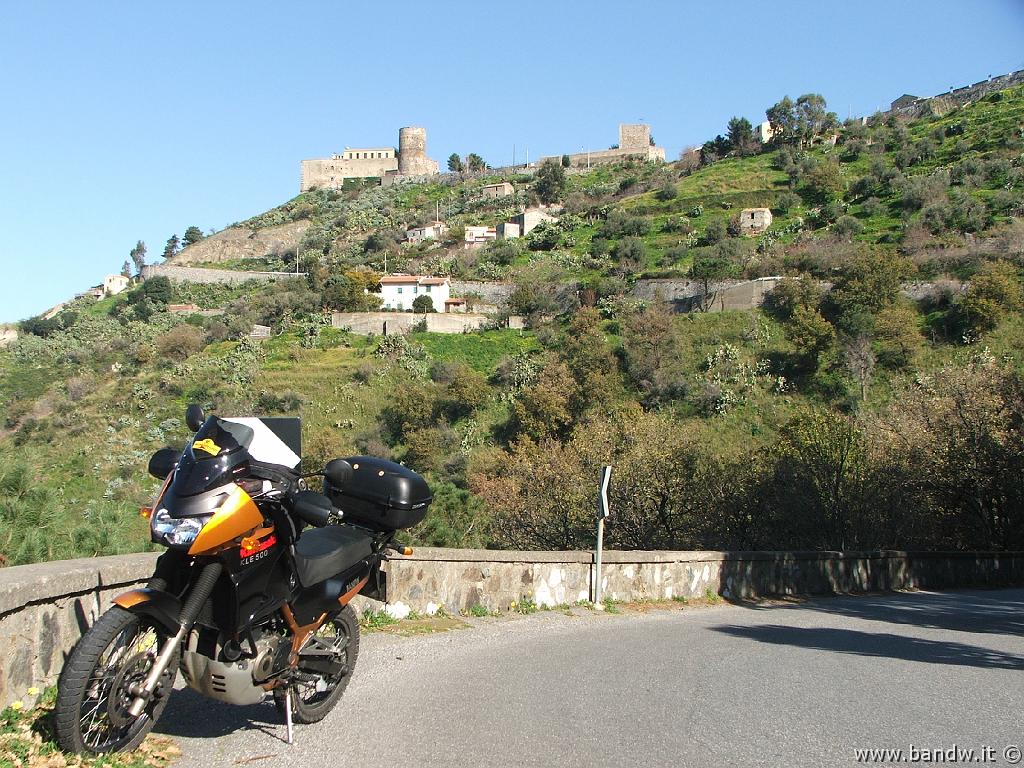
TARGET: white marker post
(602,512)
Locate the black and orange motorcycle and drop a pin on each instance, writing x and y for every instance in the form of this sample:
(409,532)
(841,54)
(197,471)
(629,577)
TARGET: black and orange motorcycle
(251,598)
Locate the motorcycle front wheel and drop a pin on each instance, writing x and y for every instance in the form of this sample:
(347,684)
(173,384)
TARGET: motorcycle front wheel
(314,695)
(91,713)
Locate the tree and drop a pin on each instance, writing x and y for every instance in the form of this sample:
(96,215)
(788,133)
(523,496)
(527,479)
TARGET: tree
(550,182)
(711,269)
(783,121)
(545,408)
(898,337)
(811,335)
(741,136)
(821,472)
(126,269)
(651,347)
(172,247)
(192,236)
(475,163)
(455,163)
(566,162)
(865,285)
(825,181)
(138,256)
(423,303)
(813,117)
(994,291)
(356,290)
(860,361)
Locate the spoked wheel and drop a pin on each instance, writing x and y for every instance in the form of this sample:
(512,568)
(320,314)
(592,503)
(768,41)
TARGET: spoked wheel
(314,694)
(93,694)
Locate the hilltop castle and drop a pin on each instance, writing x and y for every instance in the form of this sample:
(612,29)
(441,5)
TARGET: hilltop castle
(385,163)
(634,142)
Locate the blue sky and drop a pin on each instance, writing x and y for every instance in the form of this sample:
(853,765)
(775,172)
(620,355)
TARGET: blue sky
(126,121)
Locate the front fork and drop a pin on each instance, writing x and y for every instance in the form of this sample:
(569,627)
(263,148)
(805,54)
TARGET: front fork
(200,593)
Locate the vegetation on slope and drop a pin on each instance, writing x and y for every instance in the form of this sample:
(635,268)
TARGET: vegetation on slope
(850,417)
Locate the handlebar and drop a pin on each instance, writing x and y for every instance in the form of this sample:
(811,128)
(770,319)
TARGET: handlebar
(315,508)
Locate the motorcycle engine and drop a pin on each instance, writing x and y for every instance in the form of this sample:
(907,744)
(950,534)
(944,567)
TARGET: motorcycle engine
(272,649)
(239,681)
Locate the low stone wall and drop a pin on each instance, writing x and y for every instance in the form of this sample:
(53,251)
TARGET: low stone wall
(201,275)
(45,608)
(459,579)
(389,323)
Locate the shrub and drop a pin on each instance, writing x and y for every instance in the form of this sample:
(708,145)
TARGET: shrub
(717,230)
(846,227)
(667,191)
(786,202)
(179,343)
(423,303)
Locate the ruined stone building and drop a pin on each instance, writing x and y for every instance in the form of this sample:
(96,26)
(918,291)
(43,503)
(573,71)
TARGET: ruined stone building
(385,163)
(634,142)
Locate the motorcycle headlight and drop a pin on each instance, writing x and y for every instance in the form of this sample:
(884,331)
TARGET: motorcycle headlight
(177,532)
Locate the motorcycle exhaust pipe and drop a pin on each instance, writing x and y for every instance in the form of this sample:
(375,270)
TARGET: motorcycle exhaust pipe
(190,611)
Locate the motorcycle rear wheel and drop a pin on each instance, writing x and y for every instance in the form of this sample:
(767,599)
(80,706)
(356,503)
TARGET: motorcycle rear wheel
(312,700)
(91,712)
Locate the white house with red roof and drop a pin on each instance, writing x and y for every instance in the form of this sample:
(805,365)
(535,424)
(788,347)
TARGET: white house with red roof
(398,292)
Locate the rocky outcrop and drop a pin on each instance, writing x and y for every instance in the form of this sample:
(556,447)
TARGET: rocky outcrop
(242,243)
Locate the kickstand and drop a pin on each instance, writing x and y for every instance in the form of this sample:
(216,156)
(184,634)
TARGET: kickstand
(288,713)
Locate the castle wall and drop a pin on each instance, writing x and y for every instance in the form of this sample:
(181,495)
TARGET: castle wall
(943,102)
(609,156)
(327,173)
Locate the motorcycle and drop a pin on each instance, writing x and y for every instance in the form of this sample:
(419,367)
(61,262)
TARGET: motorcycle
(251,598)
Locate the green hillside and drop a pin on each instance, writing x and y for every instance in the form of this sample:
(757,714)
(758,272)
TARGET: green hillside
(857,417)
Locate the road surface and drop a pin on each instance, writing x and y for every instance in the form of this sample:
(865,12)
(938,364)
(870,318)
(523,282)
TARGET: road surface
(734,685)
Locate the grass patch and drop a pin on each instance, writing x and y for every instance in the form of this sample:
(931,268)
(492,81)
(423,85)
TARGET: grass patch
(480,351)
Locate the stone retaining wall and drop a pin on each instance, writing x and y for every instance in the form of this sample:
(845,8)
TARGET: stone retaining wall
(389,323)
(45,608)
(201,275)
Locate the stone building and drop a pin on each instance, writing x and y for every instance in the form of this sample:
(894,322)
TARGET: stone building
(409,160)
(634,143)
(433,231)
(477,235)
(754,221)
(115,284)
(530,219)
(504,189)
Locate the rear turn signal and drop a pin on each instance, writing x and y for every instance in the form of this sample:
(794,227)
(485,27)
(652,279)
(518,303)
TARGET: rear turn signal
(146,512)
(406,551)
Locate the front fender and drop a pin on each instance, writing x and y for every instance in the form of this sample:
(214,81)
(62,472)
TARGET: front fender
(163,607)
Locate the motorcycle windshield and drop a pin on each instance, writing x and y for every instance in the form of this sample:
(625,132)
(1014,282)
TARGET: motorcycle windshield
(217,455)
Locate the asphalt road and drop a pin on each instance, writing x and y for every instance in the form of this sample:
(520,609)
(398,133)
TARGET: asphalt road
(784,685)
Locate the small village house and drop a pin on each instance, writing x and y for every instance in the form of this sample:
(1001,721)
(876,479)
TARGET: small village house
(398,292)
(754,221)
(504,189)
(433,231)
(477,235)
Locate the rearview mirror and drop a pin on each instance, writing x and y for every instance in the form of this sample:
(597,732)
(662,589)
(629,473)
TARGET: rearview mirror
(162,463)
(194,417)
(338,472)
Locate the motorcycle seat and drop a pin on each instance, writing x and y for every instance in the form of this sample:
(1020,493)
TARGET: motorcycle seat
(321,553)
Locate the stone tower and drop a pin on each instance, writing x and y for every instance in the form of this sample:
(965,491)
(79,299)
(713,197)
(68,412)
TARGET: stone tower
(634,136)
(412,152)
